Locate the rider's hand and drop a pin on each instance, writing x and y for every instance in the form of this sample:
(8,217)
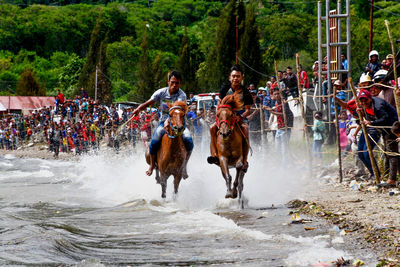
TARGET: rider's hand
(240,119)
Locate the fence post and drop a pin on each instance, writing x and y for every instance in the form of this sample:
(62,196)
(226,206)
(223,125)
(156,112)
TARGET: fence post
(303,115)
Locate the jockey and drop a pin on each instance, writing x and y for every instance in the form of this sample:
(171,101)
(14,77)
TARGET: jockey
(166,95)
(235,86)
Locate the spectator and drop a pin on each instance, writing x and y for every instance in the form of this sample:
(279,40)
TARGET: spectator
(318,129)
(373,65)
(377,112)
(290,84)
(303,78)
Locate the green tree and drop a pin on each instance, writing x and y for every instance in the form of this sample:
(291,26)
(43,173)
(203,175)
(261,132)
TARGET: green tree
(28,85)
(185,64)
(160,75)
(145,84)
(250,46)
(222,55)
(69,76)
(362,8)
(97,57)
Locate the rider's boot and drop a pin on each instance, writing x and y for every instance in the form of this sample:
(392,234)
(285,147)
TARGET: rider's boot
(184,171)
(213,159)
(246,146)
(152,164)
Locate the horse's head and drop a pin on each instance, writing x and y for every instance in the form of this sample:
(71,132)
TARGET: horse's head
(225,120)
(177,114)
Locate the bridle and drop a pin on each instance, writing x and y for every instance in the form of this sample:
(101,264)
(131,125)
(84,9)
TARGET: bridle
(175,132)
(231,124)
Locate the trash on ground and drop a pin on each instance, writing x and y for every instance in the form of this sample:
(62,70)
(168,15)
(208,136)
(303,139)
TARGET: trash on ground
(358,263)
(356,185)
(372,189)
(309,228)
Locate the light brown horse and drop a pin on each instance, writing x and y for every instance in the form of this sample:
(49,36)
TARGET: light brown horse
(172,154)
(230,145)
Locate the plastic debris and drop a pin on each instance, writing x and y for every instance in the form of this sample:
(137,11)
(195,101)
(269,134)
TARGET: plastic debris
(356,185)
(295,217)
(372,189)
(297,220)
(309,228)
(343,232)
(394,192)
(336,229)
(358,263)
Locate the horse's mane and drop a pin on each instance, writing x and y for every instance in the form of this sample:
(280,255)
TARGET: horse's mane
(181,104)
(233,101)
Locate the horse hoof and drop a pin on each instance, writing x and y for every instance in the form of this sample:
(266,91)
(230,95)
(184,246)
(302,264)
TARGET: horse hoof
(234,193)
(229,195)
(213,160)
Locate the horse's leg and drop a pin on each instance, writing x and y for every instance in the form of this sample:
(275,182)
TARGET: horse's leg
(240,188)
(163,182)
(157,175)
(236,182)
(239,168)
(225,173)
(177,180)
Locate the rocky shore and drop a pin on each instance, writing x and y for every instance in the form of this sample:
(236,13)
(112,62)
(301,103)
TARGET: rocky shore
(358,208)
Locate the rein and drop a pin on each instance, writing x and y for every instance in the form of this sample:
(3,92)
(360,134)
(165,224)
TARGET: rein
(171,126)
(231,124)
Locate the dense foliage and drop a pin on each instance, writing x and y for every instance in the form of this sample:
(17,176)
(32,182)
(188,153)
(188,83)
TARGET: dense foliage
(135,44)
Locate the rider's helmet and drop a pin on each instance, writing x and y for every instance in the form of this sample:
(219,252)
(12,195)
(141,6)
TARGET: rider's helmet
(373,53)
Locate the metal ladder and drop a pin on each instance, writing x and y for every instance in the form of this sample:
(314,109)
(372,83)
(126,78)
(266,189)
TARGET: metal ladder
(333,46)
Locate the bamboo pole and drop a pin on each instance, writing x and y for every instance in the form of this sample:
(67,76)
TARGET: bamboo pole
(283,103)
(303,114)
(364,129)
(337,135)
(262,124)
(396,97)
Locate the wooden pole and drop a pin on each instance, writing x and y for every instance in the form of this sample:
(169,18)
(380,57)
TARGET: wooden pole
(371,25)
(338,135)
(394,64)
(303,114)
(283,103)
(261,124)
(364,129)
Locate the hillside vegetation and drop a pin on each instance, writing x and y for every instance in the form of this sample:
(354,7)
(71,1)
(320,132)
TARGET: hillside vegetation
(135,44)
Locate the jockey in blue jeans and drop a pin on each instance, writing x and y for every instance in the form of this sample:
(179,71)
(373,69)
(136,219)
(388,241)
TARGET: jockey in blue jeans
(166,95)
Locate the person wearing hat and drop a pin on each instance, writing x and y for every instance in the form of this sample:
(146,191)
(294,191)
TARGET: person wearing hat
(382,91)
(389,60)
(339,95)
(378,112)
(373,64)
(214,99)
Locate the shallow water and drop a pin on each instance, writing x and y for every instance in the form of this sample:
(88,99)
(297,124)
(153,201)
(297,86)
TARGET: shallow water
(103,210)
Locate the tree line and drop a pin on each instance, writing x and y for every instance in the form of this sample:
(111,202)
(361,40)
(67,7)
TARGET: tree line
(58,44)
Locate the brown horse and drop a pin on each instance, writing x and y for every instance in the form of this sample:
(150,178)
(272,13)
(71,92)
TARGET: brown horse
(172,154)
(230,145)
